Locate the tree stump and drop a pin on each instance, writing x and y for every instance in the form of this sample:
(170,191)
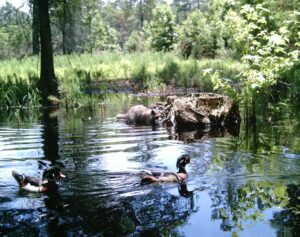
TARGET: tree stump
(200,110)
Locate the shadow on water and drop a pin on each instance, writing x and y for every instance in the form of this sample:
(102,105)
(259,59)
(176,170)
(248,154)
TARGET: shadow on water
(242,182)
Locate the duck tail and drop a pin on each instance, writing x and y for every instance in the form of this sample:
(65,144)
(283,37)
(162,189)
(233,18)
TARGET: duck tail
(19,178)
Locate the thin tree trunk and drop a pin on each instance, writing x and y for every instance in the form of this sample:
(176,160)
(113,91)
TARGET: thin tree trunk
(35,28)
(225,42)
(47,83)
(63,30)
(142,13)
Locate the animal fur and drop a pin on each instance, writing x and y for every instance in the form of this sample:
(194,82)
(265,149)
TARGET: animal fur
(140,115)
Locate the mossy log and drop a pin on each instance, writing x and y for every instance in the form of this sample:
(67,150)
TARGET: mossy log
(200,110)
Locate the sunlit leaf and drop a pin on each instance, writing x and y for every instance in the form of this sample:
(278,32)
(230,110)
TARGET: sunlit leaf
(276,39)
(223,213)
(280,191)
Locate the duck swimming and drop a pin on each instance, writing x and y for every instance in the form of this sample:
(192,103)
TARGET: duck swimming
(180,176)
(48,182)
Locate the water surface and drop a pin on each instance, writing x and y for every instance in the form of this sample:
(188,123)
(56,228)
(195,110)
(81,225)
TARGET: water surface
(245,185)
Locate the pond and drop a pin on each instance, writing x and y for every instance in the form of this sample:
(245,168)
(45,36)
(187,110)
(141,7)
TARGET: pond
(245,184)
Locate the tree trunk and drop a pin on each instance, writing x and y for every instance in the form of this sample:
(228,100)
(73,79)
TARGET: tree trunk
(47,83)
(226,45)
(142,13)
(63,28)
(35,28)
(71,27)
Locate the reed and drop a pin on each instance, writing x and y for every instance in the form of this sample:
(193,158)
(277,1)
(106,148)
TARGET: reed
(76,74)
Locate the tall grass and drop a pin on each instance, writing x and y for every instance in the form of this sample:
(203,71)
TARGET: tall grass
(18,83)
(77,74)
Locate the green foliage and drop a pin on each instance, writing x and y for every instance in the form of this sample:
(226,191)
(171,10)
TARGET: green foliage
(196,36)
(156,84)
(18,83)
(135,42)
(140,75)
(15,32)
(161,30)
(264,47)
(100,35)
(252,199)
(78,75)
(169,73)
(16,92)
(190,73)
(69,85)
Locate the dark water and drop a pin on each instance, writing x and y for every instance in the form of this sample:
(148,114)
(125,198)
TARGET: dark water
(245,185)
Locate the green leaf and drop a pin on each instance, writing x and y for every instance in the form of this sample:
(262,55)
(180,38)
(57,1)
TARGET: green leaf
(223,213)
(276,39)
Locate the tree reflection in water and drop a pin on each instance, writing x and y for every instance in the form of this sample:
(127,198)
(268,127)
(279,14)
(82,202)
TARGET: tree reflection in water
(50,135)
(154,212)
(287,221)
(234,182)
(244,204)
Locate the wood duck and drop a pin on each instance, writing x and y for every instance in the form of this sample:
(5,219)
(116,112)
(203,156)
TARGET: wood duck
(180,176)
(48,182)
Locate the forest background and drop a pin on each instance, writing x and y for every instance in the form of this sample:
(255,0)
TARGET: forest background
(248,49)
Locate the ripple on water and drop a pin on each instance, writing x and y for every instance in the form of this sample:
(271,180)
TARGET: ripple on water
(103,159)
(20,143)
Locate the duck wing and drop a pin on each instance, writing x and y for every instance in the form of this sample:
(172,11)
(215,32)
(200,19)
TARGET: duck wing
(158,173)
(33,181)
(151,173)
(170,177)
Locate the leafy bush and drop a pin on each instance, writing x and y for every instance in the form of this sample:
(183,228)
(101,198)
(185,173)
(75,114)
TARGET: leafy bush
(196,36)
(135,42)
(161,30)
(265,48)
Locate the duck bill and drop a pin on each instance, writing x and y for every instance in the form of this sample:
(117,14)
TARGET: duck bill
(191,162)
(61,175)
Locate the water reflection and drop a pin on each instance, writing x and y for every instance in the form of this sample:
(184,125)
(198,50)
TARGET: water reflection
(239,206)
(202,134)
(155,211)
(50,135)
(233,190)
(287,221)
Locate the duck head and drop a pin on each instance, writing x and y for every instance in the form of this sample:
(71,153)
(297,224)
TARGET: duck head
(182,161)
(52,174)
